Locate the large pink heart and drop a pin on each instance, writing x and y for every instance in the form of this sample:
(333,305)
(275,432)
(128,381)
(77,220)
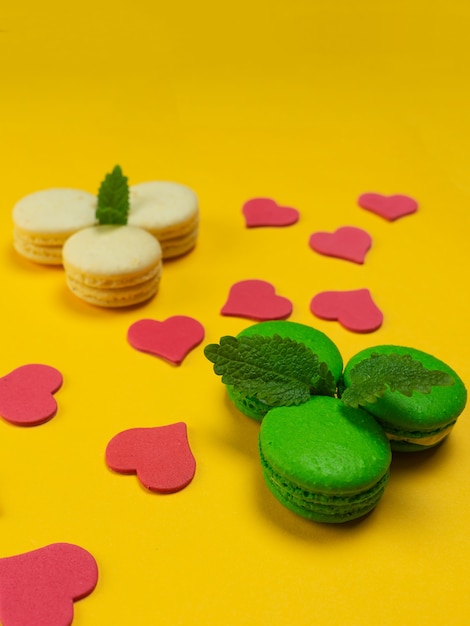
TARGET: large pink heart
(38,588)
(348,243)
(266,212)
(389,207)
(171,339)
(355,310)
(160,456)
(257,300)
(26,394)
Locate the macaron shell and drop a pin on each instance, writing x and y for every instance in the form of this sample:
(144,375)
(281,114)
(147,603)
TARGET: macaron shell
(56,212)
(314,339)
(420,415)
(323,460)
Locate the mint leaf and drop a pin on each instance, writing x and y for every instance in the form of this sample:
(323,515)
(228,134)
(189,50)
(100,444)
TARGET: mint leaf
(371,378)
(278,371)
(113,198)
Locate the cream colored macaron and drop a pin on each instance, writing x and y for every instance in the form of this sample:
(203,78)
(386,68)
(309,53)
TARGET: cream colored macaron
(170,211)
(45,219)
(113,266)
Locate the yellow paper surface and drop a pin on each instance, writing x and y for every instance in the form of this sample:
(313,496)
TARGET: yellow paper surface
(308,102)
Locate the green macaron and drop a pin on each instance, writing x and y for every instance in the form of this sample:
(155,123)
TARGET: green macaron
(419,421)
(323,460)
(317,341)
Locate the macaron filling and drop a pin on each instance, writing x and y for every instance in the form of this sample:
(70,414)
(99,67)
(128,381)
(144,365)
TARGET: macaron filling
(319,506)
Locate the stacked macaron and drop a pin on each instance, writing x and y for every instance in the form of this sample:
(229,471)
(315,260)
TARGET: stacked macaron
(45,219)
(169,211)
(327,435)
(420,420)
(113,266)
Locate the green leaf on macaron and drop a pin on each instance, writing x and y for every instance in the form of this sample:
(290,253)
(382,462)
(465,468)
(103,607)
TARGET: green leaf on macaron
(113,199)
(372,377)
(276,370)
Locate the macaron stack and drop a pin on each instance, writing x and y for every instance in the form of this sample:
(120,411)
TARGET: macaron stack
(421,420)
(113,266)
(169,211)
(325,451)
(45,219)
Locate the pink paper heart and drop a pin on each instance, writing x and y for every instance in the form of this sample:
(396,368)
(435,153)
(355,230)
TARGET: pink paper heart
(348,243)
(355,310)
(26,394)
(160,456)
(257,300)
(389,207)
(266,212)
(38,588)
(171,339)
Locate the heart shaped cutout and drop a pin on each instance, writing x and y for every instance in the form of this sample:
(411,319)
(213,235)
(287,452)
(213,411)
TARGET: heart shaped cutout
(26,394)
(355,310)
(348,243)
(171,339)
(389,207)
(40,587)
(256,300)
(266,212)
(160,456)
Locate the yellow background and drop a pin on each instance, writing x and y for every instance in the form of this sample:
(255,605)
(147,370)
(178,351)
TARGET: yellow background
(309,102)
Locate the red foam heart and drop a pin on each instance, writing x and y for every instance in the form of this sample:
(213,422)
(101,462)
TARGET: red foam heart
(171,339)
(160,456)
(257,300)
(266,212)
(389,207)
(355,310)
(26,394)
(39,587)
(348,242)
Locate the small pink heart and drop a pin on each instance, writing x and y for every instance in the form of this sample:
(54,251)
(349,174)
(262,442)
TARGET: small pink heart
(266,212)
(26,394)
(355,310)
(39,587)
(348,243)
(389,207)
(171,339)
(257,300)
(160,456)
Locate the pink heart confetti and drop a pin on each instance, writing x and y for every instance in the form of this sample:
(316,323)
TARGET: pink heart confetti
(266,212)
(160,456)
(257,300)
(389,207)
(348,243)
(39,587)
(26,394)
(355,310)
(171,339)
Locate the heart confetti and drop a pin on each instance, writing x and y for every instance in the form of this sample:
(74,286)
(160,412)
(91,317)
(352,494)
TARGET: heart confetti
(355,310)
(266,212)
(257,300)
(348,243)
(160,456)
(389,207)
(26,394)
(171,339)
(40,587)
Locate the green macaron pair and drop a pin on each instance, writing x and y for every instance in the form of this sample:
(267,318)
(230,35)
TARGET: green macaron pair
(330,462)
